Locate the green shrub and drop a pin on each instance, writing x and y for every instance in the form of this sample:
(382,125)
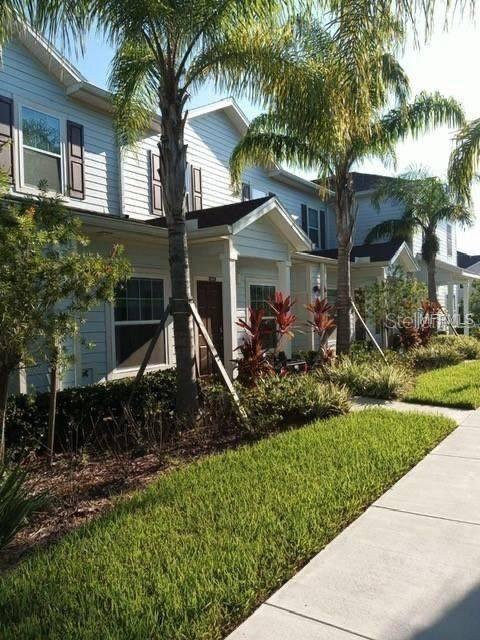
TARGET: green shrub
(16,505)
(87,414)
(467,346)
(434,355)
(278,401)
(374,379)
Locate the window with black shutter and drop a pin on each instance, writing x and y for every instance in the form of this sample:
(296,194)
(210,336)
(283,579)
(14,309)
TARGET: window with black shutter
(156,190)
(6,136)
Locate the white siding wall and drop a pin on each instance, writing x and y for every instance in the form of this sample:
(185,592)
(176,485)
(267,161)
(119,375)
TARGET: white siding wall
(211,139)
(28,82)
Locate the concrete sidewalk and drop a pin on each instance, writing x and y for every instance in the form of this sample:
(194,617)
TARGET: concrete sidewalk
(408,568)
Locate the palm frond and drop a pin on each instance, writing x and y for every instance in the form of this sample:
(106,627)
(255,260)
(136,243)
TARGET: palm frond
(400,229)
(134,83)
(465,158)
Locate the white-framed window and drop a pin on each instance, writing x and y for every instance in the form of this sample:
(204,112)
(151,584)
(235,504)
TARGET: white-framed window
(260,294)
(139,305)
(449,240)
(41,149)
(313,222)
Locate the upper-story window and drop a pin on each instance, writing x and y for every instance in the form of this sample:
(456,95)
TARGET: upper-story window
(314,226)
(41,150)
(449,240)
(313,223)
(246,191)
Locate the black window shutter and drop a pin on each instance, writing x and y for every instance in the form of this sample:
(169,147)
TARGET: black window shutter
(6,136)
(75,161)
(246,191)
(155,185)
(305,218)
(322,230)
(197,199)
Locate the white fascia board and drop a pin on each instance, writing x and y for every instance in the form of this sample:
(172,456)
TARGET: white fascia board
(404,248)
(300,256)
(286,224)
(121,225)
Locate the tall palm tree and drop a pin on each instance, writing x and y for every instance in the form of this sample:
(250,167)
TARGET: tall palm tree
(164,51)
(427,202)
(465,159)
(333,129)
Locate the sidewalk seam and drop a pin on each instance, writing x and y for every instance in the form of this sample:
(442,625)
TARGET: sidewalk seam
(425,515)
(326,624)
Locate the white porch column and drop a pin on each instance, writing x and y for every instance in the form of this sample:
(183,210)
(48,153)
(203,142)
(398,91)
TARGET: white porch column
(323,280)
(284,286)
(466,305)
(450,307)
(229,272)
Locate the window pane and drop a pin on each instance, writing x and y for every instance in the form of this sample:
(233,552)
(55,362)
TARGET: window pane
(40,131)
(133,309)
(259,296)
(314,236)
(269,341)
(133,288)
(157,288)
(157,308)
(313,218)
(131,342)
(145,288)
(38,167)
(121,310)
(146,309)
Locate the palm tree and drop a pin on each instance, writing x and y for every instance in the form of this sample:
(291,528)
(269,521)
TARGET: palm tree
(66,20)
(334,127)
(427,202)
(164,51)
(465,159)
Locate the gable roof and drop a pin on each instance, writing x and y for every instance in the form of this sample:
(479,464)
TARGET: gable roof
(379,252)
(239,215)
(465,261)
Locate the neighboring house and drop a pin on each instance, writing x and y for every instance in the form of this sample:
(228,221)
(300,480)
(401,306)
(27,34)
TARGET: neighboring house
(276,235)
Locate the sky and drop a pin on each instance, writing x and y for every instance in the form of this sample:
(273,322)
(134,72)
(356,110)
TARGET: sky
(447,63)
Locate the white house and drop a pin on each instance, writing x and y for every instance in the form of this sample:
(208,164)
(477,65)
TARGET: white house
(278,234)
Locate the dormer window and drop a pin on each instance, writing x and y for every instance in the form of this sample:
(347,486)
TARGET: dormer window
(41,150)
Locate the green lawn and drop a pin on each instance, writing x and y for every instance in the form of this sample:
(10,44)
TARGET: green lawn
(455,386)
(194,554)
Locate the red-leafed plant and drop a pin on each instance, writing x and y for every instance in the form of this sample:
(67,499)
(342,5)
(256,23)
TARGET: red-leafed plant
(429,321)
(254,363)
(281,307)
(282,311)
(322,324)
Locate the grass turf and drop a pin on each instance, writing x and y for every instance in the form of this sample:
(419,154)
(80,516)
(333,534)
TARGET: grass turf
(455,386)
(195,553)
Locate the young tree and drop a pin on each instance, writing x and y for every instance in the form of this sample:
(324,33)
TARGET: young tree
(344,120)
(394,302)
(427,201)
(47,281)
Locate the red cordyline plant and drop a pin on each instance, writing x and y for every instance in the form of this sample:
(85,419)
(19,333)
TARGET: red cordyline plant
(322,324)
(254,363)
(281,307)
(429,322)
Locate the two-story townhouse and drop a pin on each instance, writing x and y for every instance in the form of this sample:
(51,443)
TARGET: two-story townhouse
(277,234)
(55,126)
(454,274)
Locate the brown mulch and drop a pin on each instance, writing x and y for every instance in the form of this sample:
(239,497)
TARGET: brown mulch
(81,488)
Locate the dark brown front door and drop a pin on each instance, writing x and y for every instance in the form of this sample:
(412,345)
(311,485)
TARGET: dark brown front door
(209,299)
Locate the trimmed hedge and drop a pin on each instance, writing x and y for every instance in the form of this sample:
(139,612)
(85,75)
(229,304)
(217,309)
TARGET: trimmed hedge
(88,413)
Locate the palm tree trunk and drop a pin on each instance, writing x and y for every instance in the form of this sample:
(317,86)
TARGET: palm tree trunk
(4,375)
(173,154)
(344,222)
(343,298)
(431,280)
